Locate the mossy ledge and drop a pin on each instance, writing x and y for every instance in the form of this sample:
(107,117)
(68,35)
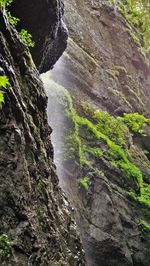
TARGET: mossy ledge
(100,135)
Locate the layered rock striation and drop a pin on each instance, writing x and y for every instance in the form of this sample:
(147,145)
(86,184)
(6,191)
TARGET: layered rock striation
(104,71)
(36,227)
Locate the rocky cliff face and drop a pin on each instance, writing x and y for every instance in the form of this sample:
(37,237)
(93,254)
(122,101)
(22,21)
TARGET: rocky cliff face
(104,70)
(36,226)
(103,50)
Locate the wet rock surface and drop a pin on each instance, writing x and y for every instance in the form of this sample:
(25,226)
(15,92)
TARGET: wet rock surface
(36,227)
(103,66)
(103,60)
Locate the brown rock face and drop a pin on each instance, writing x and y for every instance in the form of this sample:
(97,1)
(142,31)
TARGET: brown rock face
(36,226)
(103,66)
(104,61)
(44,20)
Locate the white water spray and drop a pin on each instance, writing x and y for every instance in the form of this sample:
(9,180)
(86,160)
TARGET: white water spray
(56,114)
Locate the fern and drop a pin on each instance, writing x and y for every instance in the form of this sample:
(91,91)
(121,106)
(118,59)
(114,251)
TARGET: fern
(4,82)
(12,20)
(26,37)
(5,3)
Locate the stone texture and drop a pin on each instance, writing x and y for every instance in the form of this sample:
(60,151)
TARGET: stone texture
(33,212)
(44,20)
(99,44)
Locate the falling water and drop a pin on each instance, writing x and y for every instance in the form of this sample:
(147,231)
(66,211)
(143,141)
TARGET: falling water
(56,110)
(55,114)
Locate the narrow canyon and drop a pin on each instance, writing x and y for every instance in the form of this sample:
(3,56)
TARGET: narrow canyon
(74,133)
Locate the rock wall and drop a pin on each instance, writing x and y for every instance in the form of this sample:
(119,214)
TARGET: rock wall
(36,227)
(100,45)
(104,70)
(44,20)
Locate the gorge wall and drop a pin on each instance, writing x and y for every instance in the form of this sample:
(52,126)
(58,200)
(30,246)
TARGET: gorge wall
(36,227)
(102,155)
(103,161)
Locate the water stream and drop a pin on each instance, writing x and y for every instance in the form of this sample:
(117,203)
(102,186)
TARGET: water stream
(56,110)
(67,170)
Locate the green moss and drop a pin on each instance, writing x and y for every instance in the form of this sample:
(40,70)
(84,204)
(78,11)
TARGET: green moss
(4,82)
(95,151)
(12,20)
(115,151)
(5,247)
(102,136)
(105,130)
(144,227)
(111,126)
(144,198)
(88,109)
(26,38)
(84,182)
(138,16)
(41,217)
(131,195)
(5,3)
(40,185)
(132,171)
(136,122)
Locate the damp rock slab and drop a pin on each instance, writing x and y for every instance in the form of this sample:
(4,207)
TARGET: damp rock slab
(36,225)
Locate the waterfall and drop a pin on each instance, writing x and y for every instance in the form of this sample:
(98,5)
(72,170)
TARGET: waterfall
(58,98)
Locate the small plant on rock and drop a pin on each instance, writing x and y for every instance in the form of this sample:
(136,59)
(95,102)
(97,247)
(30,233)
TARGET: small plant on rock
(144,227)
(84,182)
(26,37)
(5,3)
(136,122)
(5,247)
(4,82)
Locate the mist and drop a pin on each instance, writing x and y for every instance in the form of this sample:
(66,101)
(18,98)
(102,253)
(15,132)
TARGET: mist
(56,113)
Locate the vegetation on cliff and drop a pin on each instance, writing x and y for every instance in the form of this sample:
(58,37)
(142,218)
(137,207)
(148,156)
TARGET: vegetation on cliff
(107,160)
(4,82)
(5,247)
(34,212)
(101,143)
(137,14)
(101,146)
(24,35)
(100,136)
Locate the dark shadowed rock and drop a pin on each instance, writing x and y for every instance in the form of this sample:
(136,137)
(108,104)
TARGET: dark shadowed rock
(44,20)
(35,222)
